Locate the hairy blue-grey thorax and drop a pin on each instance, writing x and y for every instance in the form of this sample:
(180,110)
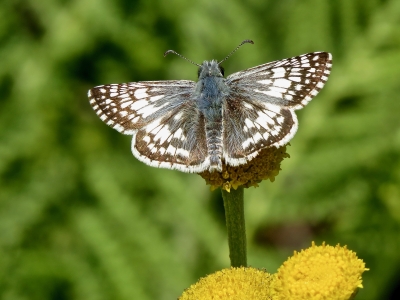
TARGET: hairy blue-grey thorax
(210,93)
(211,89)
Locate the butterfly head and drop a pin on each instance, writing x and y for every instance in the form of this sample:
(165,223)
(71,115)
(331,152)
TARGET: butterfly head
(210,69)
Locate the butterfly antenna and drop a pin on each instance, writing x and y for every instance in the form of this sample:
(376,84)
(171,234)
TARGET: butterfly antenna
(172,51)
(241,44)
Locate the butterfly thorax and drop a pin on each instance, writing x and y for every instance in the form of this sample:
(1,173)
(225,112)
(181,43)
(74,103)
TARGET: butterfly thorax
(210,93)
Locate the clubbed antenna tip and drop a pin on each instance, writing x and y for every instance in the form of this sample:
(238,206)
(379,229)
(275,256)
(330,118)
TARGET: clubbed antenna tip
(241,44)
(168,52)
(172,51)
(247,42)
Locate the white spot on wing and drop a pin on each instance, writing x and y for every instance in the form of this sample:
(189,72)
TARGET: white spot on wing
(289,97)
(284,83)
(263,119)
(249,123)
(182,152)
(163,134)
(265,81)
(274,108)
(271,93)
(126,104)
(247,143)
(141,93)
(307,98)
(155,98)
(118,127)
(147,139)
(178,133)
(278,89)
(153,125)
(171,150)
(279,70)
(296,79)
(247,105)
(178,116)
(139,104)
(257,137)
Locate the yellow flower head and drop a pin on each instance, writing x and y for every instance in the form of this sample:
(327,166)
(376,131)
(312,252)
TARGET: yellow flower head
(231,284)
(319,273)
(266,165)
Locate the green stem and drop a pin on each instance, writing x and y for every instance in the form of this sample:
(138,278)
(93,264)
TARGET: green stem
(234,215)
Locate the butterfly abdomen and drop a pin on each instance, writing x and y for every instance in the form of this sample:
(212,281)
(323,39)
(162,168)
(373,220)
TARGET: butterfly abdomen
(214,144)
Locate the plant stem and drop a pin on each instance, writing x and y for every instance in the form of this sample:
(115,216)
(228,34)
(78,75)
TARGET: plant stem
(234,215)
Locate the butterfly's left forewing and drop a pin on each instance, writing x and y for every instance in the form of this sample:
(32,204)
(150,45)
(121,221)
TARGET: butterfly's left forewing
(129,106)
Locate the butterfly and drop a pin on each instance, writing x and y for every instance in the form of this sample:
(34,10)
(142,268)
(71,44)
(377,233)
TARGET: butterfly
(196,126)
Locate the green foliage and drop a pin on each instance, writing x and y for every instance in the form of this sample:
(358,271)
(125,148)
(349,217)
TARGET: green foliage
(80,218)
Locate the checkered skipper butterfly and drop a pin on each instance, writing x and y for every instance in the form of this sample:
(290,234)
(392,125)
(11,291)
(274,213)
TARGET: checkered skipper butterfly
(196,126)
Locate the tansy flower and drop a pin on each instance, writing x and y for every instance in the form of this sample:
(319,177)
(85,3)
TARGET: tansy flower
(266,165)
(231,284)
(319,272)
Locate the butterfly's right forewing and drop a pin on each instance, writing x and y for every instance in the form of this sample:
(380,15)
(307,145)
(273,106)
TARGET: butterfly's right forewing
(290,82)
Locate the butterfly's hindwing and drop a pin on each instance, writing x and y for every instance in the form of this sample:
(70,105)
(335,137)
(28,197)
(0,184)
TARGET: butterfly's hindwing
(174,141)
(251,125)
(290,82)
(129,106)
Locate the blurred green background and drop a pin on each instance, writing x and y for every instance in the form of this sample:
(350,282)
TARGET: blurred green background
(81,218)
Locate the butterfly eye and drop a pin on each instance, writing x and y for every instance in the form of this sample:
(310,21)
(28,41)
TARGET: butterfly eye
(222,70)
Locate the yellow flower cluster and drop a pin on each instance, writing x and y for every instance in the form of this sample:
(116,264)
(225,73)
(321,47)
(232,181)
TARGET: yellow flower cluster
(234,283)
(266,165)
(317,273)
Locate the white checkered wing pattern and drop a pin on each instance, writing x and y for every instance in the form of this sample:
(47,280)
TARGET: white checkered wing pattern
(127,107)
(166,127)
(259,111)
